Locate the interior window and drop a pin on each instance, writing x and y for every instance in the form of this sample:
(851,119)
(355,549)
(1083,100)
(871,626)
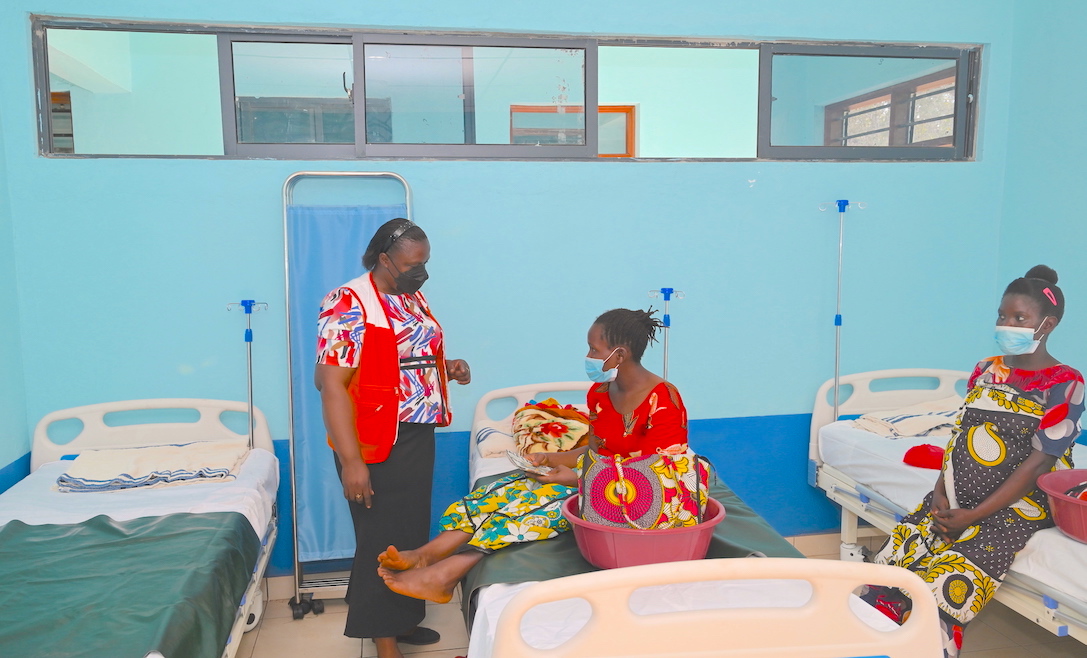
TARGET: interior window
(440,94)
(689,102)
(293,93)
(116,92)
(880,103)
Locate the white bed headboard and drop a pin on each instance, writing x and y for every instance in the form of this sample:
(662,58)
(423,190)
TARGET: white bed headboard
(96,434)
(864,400)
(522,395)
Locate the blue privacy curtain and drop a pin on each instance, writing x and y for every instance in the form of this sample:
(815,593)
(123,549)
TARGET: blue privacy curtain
(324,250)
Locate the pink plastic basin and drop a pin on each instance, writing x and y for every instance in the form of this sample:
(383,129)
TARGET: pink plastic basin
(607,547)
(1070,514)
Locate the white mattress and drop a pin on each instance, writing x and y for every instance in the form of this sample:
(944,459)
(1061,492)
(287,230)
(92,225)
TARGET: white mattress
(876,461)
(36,501)
(549,625)
(1050,556)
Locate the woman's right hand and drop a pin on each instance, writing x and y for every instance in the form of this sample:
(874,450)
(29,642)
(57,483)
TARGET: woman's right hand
(356,483)
(559,475)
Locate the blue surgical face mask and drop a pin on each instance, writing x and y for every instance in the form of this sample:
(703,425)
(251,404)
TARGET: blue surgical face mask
(594,368)
(1014,341)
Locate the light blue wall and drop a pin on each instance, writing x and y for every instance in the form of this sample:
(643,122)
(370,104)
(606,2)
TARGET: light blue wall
(134,260)
(1043,216)
(14,432)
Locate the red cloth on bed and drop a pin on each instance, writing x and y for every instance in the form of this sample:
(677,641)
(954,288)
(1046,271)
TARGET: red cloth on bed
(925,456)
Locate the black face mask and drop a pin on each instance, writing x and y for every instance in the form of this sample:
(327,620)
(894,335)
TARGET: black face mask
(410,280)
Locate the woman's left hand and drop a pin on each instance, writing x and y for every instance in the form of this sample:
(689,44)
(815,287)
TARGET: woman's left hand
(951,523)
(458,370)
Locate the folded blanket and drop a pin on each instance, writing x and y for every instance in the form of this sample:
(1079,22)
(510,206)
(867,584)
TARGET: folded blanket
(932,418)
(153,466)
(547,427)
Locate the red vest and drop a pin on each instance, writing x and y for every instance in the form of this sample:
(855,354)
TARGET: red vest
(375,387)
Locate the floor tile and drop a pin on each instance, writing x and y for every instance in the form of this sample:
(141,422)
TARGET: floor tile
(824,544)
(1012,652)
(249,640)
(980,636)
(447,620)
(1017,628)
(1065,647)
(313,635)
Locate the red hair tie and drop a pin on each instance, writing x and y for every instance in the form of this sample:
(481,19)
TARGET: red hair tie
(1049,293)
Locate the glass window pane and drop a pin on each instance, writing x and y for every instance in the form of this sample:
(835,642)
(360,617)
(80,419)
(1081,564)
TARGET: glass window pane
(472,95)
(134,93)
(836,100)
(550,78)
(290,93)
(691,102)
(613,133)
(423,89)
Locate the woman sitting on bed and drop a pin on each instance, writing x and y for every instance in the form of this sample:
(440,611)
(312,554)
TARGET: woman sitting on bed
(631,412)
(1020,419)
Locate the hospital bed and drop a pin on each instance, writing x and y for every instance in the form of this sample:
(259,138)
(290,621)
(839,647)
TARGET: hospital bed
(166,572)
(536,566)
(864,473)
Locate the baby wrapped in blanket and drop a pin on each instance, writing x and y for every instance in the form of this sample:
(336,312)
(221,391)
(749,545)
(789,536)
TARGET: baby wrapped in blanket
(547,427)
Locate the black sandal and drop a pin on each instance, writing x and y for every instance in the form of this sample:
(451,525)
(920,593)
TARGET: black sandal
(420,636)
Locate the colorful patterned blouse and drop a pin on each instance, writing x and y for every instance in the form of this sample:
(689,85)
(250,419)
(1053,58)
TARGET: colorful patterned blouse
(660,421)
(1058,392)
(339,343)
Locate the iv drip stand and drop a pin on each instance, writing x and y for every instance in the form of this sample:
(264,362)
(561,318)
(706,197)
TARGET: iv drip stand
(667,293)
(842,205)
(249,306)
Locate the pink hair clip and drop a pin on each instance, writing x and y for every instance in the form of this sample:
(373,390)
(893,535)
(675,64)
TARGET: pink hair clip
(1049,293)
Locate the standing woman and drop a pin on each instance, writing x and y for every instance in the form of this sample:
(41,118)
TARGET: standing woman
(1019,420)
(382,374)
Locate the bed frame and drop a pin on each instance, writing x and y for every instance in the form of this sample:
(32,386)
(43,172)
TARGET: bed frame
(98,434)
(823,627)
(1036,602)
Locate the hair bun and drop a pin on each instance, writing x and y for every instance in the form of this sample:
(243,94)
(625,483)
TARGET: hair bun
(1043,272)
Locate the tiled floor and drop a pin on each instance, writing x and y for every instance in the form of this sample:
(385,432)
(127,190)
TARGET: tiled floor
(997,632)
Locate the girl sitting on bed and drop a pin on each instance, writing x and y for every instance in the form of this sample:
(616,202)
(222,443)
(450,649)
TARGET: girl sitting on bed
(631,412)
(1020,419)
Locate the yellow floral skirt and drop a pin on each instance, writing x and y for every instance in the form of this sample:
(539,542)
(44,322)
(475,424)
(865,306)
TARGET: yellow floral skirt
(512,510)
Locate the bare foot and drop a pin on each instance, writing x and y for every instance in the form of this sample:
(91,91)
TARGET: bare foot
(396,560)
(428,583)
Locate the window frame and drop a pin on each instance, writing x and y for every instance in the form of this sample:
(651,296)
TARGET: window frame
(489,151)
(228,104)
(968,77)
(966,64)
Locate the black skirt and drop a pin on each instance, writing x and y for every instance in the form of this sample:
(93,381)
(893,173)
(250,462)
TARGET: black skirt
(400,516)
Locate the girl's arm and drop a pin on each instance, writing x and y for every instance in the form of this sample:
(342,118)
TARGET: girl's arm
(952,522)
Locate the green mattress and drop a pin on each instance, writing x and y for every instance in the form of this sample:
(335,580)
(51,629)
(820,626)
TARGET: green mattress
(124,588)
(743,533)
